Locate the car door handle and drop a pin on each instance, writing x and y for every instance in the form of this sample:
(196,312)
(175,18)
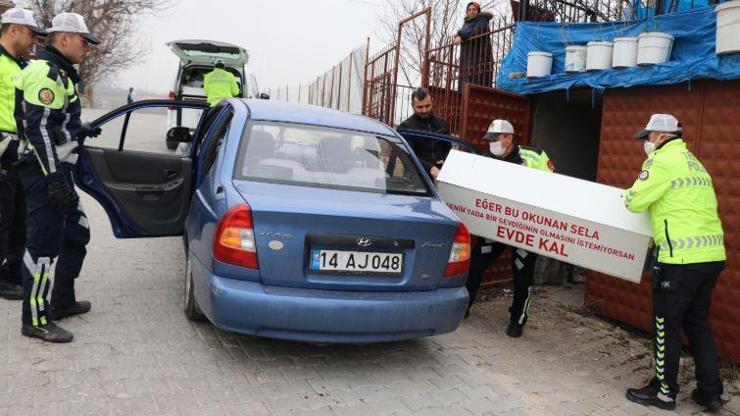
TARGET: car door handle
(171,173)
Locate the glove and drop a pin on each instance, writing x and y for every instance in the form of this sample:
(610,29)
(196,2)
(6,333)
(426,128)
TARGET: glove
(86,130)
(58,191)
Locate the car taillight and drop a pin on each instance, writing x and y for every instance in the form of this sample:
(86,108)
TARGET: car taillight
(459,261)
(234,242)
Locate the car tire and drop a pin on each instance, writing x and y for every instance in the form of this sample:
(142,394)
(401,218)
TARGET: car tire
(171,145)
(190,305)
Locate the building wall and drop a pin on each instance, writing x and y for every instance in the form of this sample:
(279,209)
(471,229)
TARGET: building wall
(710,114)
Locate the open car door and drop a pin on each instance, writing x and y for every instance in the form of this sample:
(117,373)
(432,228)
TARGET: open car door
(431,147)
(144,188)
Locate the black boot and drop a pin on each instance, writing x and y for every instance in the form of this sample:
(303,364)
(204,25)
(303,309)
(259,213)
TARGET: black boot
(650,396)
(10,291)
(514,330)
(79,308)
(711,402)
(48,333)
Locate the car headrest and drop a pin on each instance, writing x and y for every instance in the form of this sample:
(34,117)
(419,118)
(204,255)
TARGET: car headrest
(260,145)
(336,152)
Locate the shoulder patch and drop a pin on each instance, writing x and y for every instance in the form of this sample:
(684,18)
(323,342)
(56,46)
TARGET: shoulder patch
(644,175)
(46,96)
(551,165)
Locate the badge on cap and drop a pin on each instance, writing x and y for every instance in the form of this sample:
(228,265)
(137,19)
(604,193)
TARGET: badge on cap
(46,96)
(644,175)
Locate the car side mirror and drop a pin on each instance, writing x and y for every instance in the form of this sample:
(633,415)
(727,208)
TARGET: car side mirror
(264,96)
(180,134)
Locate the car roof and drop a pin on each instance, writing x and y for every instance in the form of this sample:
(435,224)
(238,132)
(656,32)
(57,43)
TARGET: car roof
(281,111)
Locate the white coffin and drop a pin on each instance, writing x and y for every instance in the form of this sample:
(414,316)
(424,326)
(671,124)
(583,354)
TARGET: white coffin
(572,220)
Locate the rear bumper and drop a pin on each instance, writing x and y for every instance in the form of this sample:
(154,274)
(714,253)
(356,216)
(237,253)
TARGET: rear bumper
(326,315)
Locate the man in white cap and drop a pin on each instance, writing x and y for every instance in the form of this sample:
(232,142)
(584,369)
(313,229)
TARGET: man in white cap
(47,112)
(17,38)
(500,136)
(677,191)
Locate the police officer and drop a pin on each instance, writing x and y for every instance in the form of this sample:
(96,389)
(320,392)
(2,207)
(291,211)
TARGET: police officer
(501,146)
(47,113)
(432,153)
(677,191)
(17,38)
(220,84)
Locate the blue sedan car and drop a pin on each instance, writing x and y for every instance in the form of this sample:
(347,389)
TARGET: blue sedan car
(299,222)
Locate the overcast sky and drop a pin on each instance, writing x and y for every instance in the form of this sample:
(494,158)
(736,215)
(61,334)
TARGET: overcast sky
(289,41)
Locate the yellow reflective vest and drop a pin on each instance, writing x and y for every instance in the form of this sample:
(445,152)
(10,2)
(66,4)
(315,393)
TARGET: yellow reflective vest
(220,84)
(10,69)
(677,191)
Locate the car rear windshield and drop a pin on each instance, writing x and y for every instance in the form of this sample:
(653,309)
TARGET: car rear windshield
(326,158)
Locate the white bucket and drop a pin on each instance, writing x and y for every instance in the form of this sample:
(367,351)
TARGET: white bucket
(599,56)
(654,48)
(539,64)
(728,27)
(575,58)
(625,53)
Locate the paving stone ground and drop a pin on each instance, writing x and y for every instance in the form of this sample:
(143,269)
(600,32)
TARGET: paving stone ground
(137,354)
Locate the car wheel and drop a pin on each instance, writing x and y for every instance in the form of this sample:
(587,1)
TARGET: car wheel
(171,145)
(191,308)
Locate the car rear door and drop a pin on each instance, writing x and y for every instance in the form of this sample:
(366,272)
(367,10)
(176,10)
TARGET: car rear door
(144,188)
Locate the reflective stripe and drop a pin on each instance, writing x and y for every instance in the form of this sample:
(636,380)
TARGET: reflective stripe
(526,306)
(521,253)
(695,242)
(687,182)
(33,270)
(47,141)
(518,263)
(660,333)
(83,222)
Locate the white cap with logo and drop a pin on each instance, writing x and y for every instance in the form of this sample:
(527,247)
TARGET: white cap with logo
(23,17)
(662,123)
(72,23)
(497,127)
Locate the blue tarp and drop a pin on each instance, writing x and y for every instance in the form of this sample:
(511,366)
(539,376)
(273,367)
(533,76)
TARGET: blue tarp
(693,54)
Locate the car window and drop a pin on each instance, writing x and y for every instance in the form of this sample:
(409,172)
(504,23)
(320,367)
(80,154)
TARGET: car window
(222,130)
(143,129)
(327,158)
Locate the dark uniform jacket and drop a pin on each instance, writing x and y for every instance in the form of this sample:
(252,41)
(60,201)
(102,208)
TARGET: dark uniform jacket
(47,111)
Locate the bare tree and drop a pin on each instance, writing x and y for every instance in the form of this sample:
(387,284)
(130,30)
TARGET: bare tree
(446,16)
(114,22)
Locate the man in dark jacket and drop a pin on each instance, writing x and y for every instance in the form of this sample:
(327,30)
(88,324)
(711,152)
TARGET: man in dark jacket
(476,53)
(431,152)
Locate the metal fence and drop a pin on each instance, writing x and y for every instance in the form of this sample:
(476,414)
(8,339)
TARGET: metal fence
(339,88)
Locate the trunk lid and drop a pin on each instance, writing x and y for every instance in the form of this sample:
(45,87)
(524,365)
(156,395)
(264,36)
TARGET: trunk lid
(291,222)
(207,52)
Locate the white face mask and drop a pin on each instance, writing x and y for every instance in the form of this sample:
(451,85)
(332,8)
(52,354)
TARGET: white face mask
(649,147)
(496,148)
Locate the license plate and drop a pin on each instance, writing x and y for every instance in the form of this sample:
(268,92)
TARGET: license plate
(356,262)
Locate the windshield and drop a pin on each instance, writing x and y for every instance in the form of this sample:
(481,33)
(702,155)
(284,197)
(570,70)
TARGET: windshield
(327,158)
